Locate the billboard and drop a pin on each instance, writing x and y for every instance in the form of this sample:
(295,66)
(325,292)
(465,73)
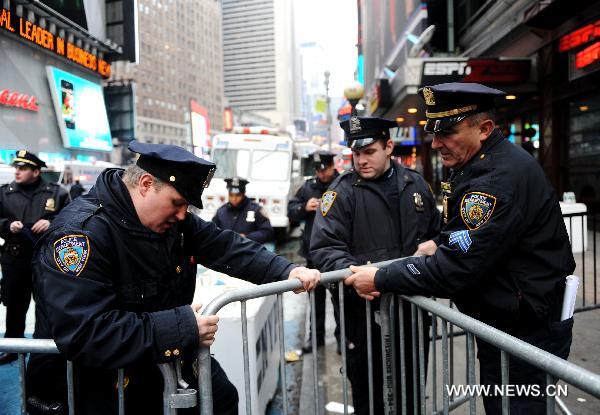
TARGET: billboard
(80,111)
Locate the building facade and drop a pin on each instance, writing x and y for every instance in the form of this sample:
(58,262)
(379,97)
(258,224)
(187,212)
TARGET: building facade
(259,58)
(180,61)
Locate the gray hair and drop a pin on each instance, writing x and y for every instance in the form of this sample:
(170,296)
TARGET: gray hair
(476,119)
(132,176)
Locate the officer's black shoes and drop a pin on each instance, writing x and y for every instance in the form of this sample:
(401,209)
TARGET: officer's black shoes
(35,406)
(307,348)
(7,358)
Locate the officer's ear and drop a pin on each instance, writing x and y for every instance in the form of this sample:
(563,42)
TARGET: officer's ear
(145,183)
(36,173)
(486,127)
(389,147)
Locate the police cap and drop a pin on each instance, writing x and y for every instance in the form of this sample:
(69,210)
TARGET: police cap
(450,103)
(236,185)
(322,159)
(24,158)
(362,131)
(188,174)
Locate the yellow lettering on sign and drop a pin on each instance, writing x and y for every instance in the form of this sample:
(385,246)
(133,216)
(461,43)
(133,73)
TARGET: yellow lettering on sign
(5,20)
(60,46)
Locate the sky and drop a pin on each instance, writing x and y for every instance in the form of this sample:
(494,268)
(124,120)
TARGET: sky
(333,25)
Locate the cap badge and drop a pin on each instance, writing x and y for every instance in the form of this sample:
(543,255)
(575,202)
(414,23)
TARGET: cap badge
(317,158)
(235,182)
(355,126)
(22,153)
(172,178)
(428,95)
(209,177)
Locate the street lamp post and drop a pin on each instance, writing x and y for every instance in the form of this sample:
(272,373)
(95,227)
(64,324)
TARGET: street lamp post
(327,101)
(353,93)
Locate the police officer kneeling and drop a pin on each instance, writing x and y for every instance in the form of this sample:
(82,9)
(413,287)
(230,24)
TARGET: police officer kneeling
(503,253)
(242,215)
(115,274)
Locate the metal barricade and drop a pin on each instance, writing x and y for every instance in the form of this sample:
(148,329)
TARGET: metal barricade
(582,229)
(176,393)
(557,368)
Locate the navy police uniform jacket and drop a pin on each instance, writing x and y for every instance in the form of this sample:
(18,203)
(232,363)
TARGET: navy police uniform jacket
(43,201)
(112,293)
(312,187)
(504,251)
(356,223)
(247,218)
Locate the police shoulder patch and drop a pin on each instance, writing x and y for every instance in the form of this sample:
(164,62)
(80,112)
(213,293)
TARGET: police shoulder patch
(71,253)
(476,208)
(327,201)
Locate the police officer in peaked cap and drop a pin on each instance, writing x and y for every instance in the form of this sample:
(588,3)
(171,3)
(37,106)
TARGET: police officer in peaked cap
(503,253)
(27,207)
(114,279)
(303,207)
(378,211)
(242,215)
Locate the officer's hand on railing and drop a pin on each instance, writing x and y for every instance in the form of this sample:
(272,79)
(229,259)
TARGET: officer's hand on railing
(207,326)
(309,278)
(363,281)
(426,248)
(16,226)
(40,226)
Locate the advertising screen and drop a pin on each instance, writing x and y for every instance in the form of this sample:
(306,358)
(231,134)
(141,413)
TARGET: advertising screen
(80,111)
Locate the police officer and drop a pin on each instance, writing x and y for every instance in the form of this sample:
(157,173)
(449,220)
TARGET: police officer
(115,274)
(303,207)
(378,211)
(27,206)
(504,251)
(242,215)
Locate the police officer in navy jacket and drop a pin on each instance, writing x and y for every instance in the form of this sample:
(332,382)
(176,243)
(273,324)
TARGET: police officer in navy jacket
(27,207)
(115,274)
(503,253)
(242,215)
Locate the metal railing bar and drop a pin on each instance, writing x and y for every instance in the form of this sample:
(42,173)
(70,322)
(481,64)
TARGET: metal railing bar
(455,403)
(594,218)
(562,407)
(577,376)
(23,392)
(343,344)
(246,357)
(370,357)
(414,363)
(402,336)
(421,360)
(471,371)
(121,390)
(283,380)
(392,320)
(549,397)
(70,388)
(583,235)
(504,381)
(434,359)
(21,345)
(445,371)
(315,357)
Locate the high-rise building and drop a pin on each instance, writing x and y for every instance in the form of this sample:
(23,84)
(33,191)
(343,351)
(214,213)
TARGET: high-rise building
(259,57)
(180,60)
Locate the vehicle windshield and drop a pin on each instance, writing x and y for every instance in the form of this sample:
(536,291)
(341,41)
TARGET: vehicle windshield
(270,165)
(231,162)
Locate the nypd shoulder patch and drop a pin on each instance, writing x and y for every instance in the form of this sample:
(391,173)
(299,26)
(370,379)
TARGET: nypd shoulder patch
(71,253)
(327,201)
(476,208)
(462,239)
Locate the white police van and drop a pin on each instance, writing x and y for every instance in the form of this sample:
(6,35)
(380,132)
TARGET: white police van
(262,157)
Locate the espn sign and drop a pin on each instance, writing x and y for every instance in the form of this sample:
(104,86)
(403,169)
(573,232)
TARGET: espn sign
(487,71)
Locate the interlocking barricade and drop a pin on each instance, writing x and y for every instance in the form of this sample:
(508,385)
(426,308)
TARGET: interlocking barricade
(176,393)
(582,229)
(421,308)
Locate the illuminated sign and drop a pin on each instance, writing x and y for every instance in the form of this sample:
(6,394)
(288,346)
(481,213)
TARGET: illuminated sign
(589,55)
(227,119)
(579,37)
(487,71)
(18,100)
(80,111)
(45,39)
